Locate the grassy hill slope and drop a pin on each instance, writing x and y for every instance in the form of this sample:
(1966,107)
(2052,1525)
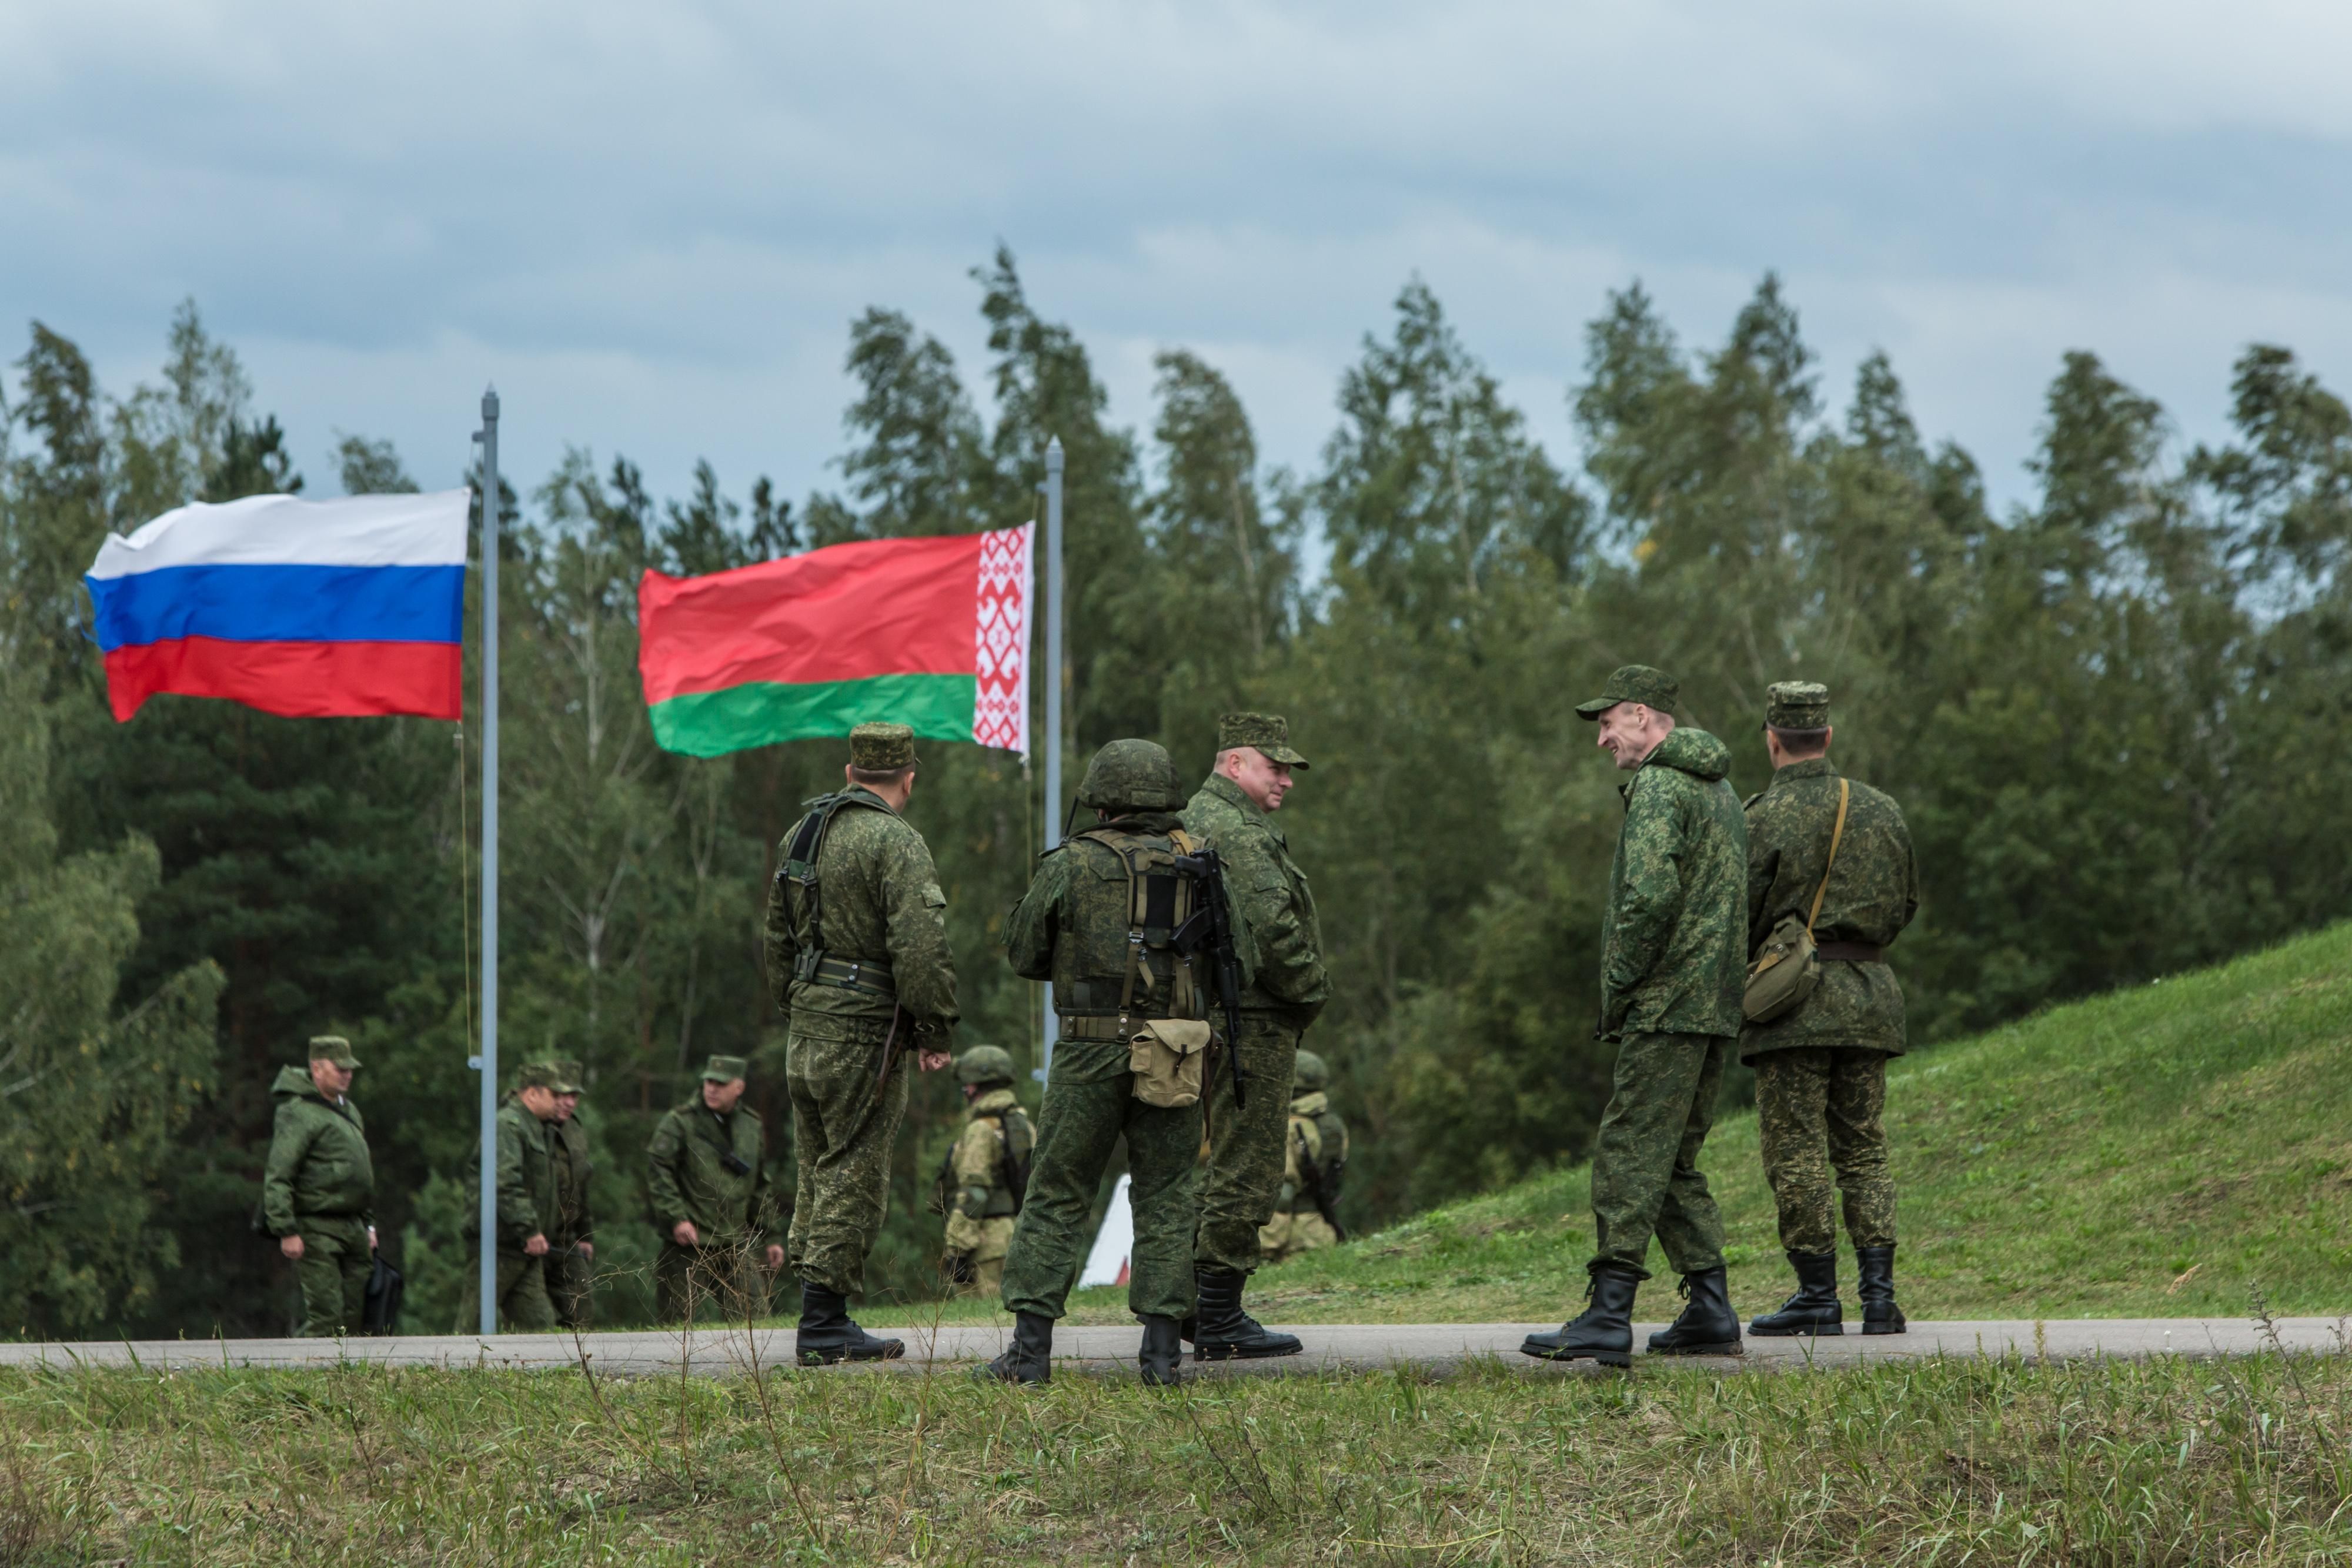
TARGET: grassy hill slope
(2163,1151)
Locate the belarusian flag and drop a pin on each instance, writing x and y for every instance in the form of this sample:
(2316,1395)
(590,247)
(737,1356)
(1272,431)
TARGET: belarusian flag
(928,632)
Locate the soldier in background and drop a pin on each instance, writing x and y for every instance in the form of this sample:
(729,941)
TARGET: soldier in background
(317,1193)
(526,1200)
(1305,1212)
(1820,1068)
(985,1174)
(1234,810)
(859,965)
(708,1178)
(571,1244)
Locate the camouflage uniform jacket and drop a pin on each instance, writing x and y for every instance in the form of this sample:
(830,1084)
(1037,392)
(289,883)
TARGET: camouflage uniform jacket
(526,1175)
(1072,923)
(688,1178)
(318,1158)
(1873,895)
(1319,1137)
(879,901)
(1673,934)
(976,1164)
(1291,978)
(568,1152)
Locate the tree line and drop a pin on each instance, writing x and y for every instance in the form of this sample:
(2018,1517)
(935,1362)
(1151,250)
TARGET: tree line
(2114,713)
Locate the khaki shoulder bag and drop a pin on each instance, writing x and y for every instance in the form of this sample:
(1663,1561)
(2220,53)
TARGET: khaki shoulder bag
(1787,966)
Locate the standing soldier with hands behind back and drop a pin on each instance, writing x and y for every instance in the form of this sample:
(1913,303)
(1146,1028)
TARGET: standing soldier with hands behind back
(707,1177)
(571,1244)
(1833,857)
(526,1211)
(1247,1121)
(318,1195)
(859,965)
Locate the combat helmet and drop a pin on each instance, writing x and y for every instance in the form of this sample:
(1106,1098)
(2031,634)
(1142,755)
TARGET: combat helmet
(1310,1075)
(1132,776)
(984,1064)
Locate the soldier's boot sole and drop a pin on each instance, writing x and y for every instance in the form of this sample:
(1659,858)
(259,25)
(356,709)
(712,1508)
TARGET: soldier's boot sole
(1760,1329)
(1533,1346)
(1898,1324)
(1719,1347)
(1007,1368)
(1264,1349)
(835,1355)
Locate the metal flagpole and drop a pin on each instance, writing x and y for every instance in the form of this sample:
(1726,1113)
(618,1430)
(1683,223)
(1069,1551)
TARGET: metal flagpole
(487,1062)
(1054,807)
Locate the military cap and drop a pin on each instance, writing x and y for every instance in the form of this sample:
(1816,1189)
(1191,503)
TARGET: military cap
(1268,732)
(984,1064)
(333,1047)
(1309,1074)
(571,1078)
(1633,683)
(540,1074)
(723,1069)
(881,747)
(1132,776)
(1797,704)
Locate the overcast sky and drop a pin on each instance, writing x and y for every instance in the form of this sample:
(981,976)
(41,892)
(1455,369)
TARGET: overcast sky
(651,223)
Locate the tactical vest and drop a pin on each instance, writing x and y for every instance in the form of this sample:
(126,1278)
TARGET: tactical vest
(1016,1141)
(1111,972)
(811,963)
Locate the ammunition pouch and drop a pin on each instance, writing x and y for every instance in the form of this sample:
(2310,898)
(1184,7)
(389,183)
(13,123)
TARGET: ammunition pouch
(1165,1055)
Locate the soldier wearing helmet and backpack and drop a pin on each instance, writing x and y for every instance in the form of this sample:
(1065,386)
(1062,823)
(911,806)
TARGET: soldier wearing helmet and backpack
(985,1174)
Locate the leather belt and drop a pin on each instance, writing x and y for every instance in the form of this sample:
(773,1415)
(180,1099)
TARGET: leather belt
(1850,952)
(867,975)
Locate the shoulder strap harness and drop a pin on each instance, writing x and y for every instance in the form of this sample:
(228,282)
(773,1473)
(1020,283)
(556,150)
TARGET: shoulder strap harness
(1159,902)
(1837,832)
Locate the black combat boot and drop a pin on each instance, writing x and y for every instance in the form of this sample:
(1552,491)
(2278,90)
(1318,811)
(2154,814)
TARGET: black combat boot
(1222,1331)
(1707,1326)
(1161,1358)
(1603,1334)
(1814,1309)
(827,1335)
(1874,1268)
(1030,1357)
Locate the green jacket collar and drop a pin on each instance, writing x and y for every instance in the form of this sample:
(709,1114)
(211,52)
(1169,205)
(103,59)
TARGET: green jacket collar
(1225,790)
(1809,767)
(864,797)
(1312,1104)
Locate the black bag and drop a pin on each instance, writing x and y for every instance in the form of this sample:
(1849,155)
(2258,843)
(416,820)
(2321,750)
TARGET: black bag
(382,1308)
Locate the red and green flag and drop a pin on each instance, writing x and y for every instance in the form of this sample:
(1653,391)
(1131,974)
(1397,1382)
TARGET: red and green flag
(928,632)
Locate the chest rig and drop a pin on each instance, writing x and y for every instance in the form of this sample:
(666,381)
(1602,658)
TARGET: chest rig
(1102,990)
(811,963)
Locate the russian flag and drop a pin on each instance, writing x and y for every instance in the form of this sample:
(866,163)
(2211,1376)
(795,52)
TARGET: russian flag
(310,608)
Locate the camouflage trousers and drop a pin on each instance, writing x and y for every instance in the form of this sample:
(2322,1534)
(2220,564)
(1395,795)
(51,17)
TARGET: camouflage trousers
(1245,1146)
(1287,1235)
(720,1280)
(571,1286)
(985,1243)
(1821,1108)
(1646,1175)
(524,1304)
(1089,1104)
(844,1131)
(333,1274)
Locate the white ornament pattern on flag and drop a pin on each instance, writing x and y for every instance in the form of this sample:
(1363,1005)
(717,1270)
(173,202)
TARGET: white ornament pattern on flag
(999,710)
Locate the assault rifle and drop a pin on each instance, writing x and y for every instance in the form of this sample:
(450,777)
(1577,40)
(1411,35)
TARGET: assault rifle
(1310,1175)
(1210,928)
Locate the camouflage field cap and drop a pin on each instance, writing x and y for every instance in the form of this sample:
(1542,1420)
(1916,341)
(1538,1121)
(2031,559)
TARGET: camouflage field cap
(1309,1074)
(571,1078)
(333,1047)
(723,1069)
(1132,776)
(1633,683)
(1268,732)
(881,747)
(984,1064)
(1797,704)
(541,1075)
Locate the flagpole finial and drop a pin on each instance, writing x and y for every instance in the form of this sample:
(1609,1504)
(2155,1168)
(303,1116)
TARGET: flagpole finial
(1054,455)
(490,400)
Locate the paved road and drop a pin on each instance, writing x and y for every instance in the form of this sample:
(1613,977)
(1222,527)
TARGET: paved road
(1330,1347)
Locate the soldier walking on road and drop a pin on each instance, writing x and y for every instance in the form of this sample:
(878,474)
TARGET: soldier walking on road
(1315,1159)
(526,1205)
(571,1244)
(1674,941)
(1820,1068)
(986,1174)
(317,1193)
(858,963)
(1101,922)
(708,1178)
(1234,810)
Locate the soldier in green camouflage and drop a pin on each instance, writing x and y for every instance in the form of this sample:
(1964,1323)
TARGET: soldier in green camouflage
(1254,770)
(317,1193)
(526,1199)
(1672,965)
(1316,1161)
(572,1243)
(858,963)
(1099,921)
(986,1173)
(1820,1068)
(707,1174)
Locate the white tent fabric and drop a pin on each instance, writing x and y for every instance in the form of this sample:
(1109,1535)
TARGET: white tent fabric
(1114,1243)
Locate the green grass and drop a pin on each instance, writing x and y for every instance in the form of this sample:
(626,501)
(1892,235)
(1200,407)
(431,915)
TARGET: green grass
(2157,1152)
(1934,1464)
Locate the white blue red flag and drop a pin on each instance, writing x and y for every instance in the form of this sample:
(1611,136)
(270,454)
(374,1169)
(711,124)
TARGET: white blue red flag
(310,608)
